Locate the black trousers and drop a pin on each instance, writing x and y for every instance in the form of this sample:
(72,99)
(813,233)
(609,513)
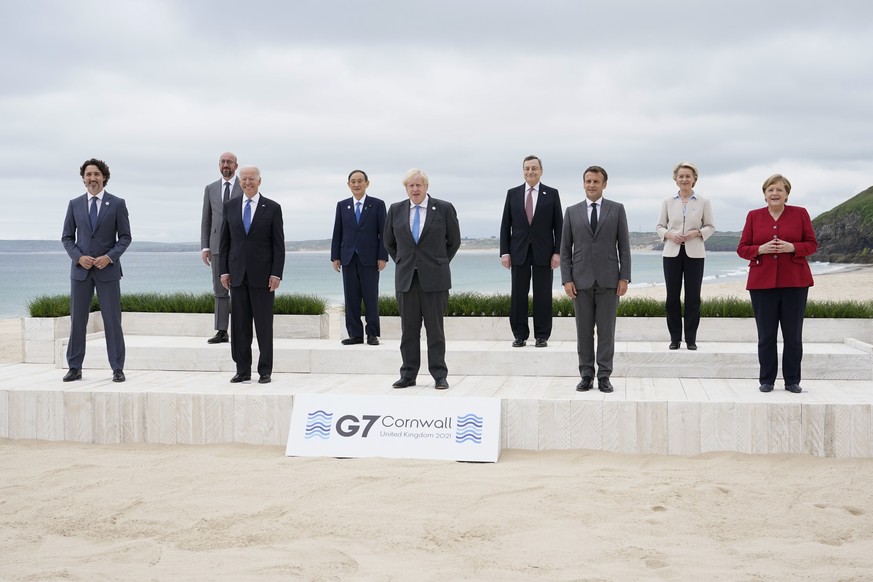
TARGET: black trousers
(417,305)
(360,282)
(675,270)
(542,299)
(251,304)
(785,307)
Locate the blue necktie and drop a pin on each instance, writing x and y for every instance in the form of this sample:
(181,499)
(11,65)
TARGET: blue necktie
(92,212)
(247,215)
(416,224)
(358,212)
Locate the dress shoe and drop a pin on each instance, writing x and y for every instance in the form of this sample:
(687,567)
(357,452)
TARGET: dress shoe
(220,337)
(519,343)
(118,375)
(674,345)
(237,378)
(766,387)
(73,374)
(264,379)
(404,383)
(541,343)
(585,384)
(604,385)
(794,388)
(350,341)
(372,340)
(691,346)
(441,384)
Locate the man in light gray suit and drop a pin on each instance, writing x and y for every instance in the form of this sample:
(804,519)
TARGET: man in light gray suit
(214,197)
(422,235)
(595,271)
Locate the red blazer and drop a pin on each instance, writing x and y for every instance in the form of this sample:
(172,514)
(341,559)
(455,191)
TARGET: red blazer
(784,269)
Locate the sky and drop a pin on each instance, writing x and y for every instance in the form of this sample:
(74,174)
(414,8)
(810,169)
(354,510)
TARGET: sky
(464,90)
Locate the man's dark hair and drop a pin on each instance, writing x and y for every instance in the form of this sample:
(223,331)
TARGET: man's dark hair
(353,172)
(101,165)
(532,157)
(597,170)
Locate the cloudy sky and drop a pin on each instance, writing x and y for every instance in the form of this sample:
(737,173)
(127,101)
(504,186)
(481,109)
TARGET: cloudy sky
(309,90)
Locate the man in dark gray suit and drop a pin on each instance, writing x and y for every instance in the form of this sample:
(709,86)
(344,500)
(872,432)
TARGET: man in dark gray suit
(422,235)
(595,271)
(96,233)
(214,197)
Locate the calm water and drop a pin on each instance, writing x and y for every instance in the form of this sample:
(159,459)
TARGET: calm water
(27,275)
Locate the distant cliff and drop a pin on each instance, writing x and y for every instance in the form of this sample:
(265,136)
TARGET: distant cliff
(845,233)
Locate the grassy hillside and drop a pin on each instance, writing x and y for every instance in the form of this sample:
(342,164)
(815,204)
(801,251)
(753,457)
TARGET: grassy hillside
(845,233)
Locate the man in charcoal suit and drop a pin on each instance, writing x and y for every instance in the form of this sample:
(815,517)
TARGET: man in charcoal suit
(422,235)
(595,271)
(96,233)
(358,250)
(214,197)
(251,259)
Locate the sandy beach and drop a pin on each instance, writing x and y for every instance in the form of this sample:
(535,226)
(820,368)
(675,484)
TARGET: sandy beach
(232,512)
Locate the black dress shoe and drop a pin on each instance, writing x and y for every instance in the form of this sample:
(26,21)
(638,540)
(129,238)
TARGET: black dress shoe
(766,387)
(674,345)
(220,337)
(350,341)
(691,346)
(237,378)
(404,383)
(264,379)
(604,385)
(73,374)
(585,384)
(794,388)
(372,340)
(441,384)
(118,375)
(541,343)
(519,343)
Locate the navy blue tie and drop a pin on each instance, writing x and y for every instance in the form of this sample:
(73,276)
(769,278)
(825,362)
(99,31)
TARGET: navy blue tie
(247,215)
(92,212)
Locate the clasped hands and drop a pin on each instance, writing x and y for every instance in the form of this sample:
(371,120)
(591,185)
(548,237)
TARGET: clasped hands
(570,288)
(776,246)
(681,238)
(101,262)
(273,283)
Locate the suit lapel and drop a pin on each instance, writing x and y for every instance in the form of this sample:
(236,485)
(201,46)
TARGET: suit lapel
(105,205)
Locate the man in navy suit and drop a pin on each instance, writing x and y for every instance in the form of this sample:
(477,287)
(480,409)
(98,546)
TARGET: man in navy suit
(251,259)
(530,245)
(96,233)
(358,251)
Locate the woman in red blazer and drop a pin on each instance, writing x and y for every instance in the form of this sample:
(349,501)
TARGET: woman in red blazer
(776,240)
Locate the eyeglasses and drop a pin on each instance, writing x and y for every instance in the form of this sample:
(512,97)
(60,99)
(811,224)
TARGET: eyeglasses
(227,162)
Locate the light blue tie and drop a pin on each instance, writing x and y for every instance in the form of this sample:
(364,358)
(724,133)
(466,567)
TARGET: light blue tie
(247,215)
(416,224)
(92,212)
(358,212)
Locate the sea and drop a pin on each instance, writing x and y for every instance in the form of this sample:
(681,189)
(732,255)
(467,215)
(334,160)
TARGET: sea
(26,275)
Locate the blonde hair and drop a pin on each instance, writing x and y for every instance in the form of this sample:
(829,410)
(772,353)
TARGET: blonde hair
(687,165)
(777,178)
(410,174)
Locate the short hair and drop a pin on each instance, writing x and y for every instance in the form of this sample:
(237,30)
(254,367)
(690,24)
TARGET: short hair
(687,165)
(777,178)
(353,172)
(532,157)
(596,170)
(101,165)
(255,168)
(410,174)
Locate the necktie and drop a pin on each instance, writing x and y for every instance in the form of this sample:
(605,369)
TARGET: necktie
(416,224)
(528,205)
(226,192)
(358,212)
(92,212)
(247,215)
(594,217)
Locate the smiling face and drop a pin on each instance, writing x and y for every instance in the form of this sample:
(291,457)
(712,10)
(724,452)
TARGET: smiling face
(93,179)
(358,184)
(776,195)
(594,185)
(685,179)
(250,181)
(533,171)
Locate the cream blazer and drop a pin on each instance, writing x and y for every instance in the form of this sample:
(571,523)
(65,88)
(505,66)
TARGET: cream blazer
(697,216)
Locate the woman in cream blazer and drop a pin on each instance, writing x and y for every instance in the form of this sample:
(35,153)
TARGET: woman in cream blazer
(685,222)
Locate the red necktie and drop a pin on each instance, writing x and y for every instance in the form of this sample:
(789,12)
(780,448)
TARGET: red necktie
(528,205)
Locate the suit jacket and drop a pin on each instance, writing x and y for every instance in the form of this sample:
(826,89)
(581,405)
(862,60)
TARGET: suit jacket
(365,238)
(110,237)
(439,240)
(771,271)
(258,255)
(544,233)
(210,222)
(601,257)
(697,216)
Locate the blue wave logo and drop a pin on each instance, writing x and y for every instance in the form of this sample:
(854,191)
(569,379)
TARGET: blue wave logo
(318,424)
(469,429)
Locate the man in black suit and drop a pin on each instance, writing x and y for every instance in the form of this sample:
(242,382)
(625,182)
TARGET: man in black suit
(251,259)
(357,249)
(422,235)
(530,245)
(96,233)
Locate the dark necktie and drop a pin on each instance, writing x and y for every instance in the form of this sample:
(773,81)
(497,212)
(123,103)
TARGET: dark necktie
(528,205)
(92,212)
(226,193)
(247,215)
(594,217)
(358,212)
